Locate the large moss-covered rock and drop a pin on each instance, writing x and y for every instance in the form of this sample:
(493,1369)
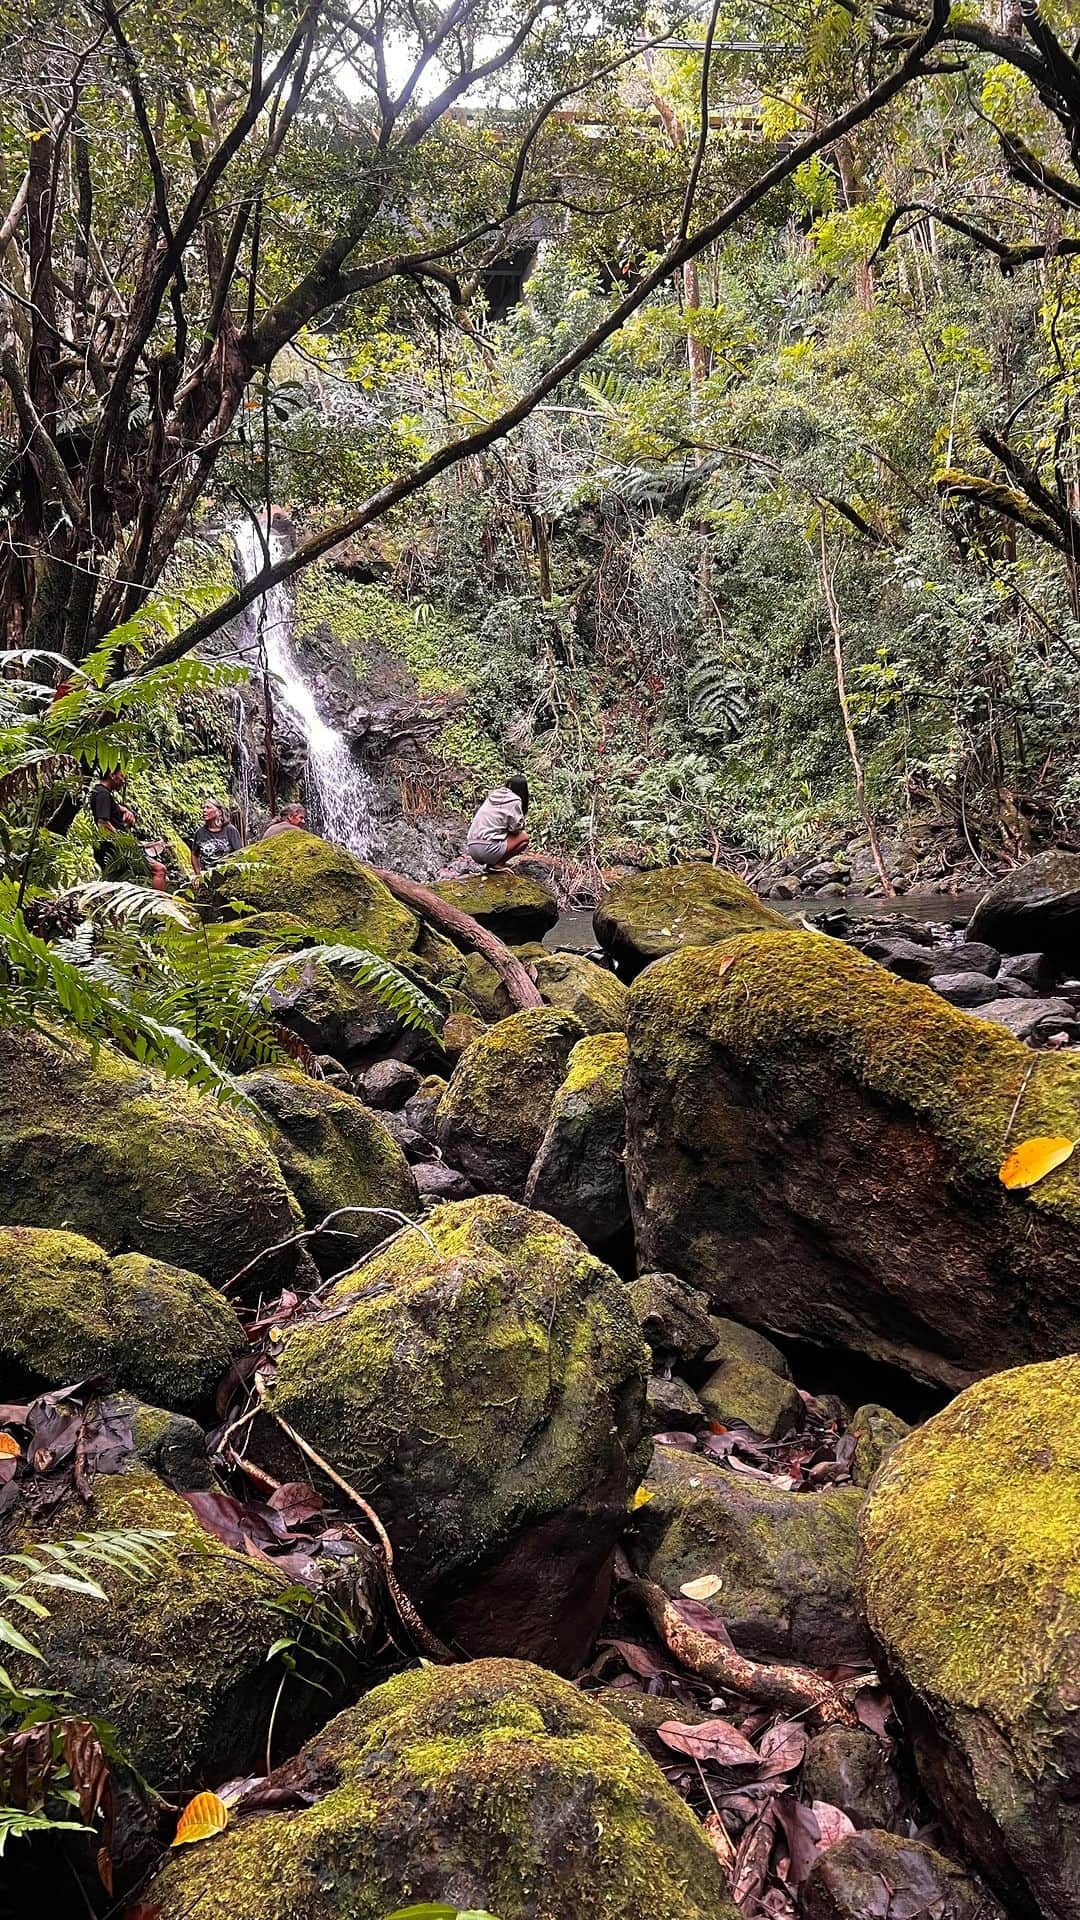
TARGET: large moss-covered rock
(650,914)
(1034,909)
(323,885)
(879,1876)
(495,1111)
(177,1663)
(508,904)
(334,1153)
(786,1560)
(485,1384)
(95,1143)
(816,1144)
(573,981)
(67,1311)
(578,1173)
(969,1575)
(740,1392)
(491,1786)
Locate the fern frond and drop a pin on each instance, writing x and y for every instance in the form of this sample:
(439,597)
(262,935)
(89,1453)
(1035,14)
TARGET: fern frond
(123,900)
(16,1825)
(376,976)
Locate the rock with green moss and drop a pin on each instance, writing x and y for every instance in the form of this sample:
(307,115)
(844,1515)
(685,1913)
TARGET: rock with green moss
(674,1318)
(468,980)
(650,914)
(739,1392)
(786,1561)
(511,906)
(492,1786)
(335,1153)
(93,1142)
(326,887)
(878,1433)
(177,1662)
(850,1768)
(1034,909)
(673,1405)
(578,1173)
(969,1577)
(484,1382)
(573,981)
(734,1341)
(68,1311)
(495,1111)
(817,1143)
(879,1876)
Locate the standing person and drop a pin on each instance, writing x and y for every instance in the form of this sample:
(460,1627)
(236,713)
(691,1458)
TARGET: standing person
(214,840)
(497,830)
(290,816)
(110,817)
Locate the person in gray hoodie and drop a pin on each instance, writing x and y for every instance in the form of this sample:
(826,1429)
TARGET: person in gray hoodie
(497,831)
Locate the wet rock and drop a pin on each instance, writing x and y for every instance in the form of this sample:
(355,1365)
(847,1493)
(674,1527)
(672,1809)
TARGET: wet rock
(325,887)
(486,1386)
(672,1404)
(905,958)
(578,1173)
(459,1032)
(1036,908)
(495,1110)
(969,956)
(111,1149)
(491,1786)
(740,1393)
(651,914)
(509,905)
(735,1342)
(389,1083)
(786,1560)
(413,1145)
(673,1317)
(968,1580)
(965,989)
(593,993)
(68,1311)
(1032,1019)
(169,1445)
(436,1182)
(816,1144)
(878,1876)
(334,1154)
(422,1108)
(848,1767)
(880,1432)
(1034,970)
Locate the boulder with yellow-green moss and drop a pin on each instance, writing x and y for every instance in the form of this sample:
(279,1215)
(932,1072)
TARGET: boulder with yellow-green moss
(323,885)
(969,1579)
(96,1143)
(578,1173)
(492,1787)
(495,1110)
(573,981)
(510,905)
(483,1380)
(817,1144)
(335,1154)
(647,915)
(68,1311)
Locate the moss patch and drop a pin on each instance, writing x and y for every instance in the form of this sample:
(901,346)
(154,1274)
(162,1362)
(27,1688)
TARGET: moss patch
(296,873)
(573,981)
(493,1115)
(510,905)
(650,914)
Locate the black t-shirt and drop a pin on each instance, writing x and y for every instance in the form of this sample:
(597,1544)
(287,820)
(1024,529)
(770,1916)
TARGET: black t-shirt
(106,808)
(211,845)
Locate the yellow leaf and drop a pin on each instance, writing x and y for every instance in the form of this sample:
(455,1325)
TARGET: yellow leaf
(702,1589)
(640,1499)
(204,1816)
(9,1447)
(1032,1160)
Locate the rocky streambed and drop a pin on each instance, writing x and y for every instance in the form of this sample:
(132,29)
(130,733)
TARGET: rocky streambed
(501,1549)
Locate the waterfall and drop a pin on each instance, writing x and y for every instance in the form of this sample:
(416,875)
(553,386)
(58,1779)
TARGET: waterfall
(340,794)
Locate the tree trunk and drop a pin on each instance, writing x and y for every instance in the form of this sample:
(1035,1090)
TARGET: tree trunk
(465,932)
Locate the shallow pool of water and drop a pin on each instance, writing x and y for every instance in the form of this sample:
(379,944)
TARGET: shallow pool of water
(574,930)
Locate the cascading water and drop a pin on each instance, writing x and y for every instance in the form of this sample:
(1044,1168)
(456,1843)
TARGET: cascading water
(341,795)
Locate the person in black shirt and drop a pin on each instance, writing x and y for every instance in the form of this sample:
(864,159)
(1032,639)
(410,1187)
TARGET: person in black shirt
(111,816)
(214,840)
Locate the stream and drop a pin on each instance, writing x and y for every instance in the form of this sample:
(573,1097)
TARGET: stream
(574,930)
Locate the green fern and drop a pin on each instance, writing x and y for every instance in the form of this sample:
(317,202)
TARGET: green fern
(66,1564)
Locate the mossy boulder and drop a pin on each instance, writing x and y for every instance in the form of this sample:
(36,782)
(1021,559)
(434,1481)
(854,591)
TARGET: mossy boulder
(177,1663)
(573,981)
(511,906)
(1034,909)
(490,1786)
(484,1382)
(494,1113)
(578,1173)
(739,1392)
(969,1577)
(673,1317)
(735,1342)
(879,1876)
(334,1153)
(879,1433)
(786,1560)
(648,915)
(93,1142)
(816,1144)
(324,886)
(68,1311)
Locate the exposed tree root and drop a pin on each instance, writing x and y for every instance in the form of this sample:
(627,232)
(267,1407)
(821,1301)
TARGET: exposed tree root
(467,932)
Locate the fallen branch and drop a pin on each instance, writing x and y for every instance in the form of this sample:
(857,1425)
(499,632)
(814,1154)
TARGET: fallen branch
(465,931)
(794,1689)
